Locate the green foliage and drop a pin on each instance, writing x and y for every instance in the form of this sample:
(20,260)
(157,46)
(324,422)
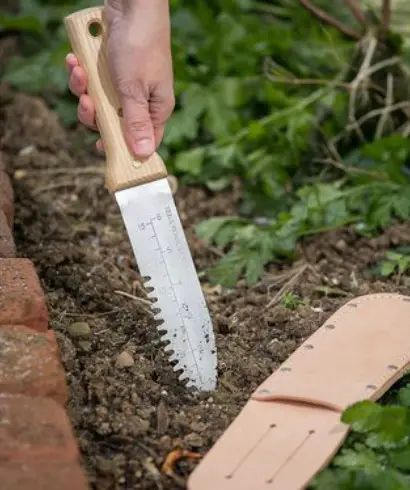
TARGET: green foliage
(232,120)
(291,301)
(377,453)
(396,261)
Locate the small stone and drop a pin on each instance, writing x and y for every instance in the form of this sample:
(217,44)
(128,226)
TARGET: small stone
(79,330)
(124,360)
(341,245)
(84,345)
(194,440)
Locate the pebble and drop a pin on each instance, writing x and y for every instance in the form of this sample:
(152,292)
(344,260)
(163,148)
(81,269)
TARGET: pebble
(84,345)
(194,440)
(124,360)
(79,330)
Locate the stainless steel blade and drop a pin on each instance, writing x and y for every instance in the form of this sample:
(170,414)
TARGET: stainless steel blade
(162,254)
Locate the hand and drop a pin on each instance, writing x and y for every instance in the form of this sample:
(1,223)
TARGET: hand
(140,63)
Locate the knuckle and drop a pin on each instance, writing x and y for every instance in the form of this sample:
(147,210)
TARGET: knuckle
(132,89)
(139,125)
(162,109)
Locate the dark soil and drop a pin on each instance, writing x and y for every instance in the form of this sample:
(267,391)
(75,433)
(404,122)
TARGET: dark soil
(128,419)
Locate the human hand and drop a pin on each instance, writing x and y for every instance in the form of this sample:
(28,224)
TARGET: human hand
(140,64)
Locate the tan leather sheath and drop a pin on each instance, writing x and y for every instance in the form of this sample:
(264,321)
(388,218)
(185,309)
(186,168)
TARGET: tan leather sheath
(290,428)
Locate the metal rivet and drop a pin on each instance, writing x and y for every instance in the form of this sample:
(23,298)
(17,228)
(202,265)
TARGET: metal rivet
(392,367)
(371,387)
(330,327)
(308,346)
(286,369)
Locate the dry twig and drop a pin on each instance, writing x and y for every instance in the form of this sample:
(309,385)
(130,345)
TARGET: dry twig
(385,17)
(141,301)
(325,17)
(296,275)
(357,11)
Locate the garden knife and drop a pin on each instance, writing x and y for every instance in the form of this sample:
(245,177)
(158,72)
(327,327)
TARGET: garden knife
(150,217)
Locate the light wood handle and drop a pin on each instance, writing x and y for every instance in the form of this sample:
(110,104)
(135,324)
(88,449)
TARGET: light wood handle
(89,46)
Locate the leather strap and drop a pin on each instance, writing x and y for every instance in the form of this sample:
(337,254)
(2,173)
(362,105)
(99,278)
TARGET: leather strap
(290,428)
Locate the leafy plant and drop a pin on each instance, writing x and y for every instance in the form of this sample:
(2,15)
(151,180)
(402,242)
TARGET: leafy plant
(310,117)
(291,300)
(395,262)
(376,455)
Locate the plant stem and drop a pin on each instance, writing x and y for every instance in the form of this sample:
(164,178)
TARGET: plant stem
(357,11)
(385,17)
(325,17)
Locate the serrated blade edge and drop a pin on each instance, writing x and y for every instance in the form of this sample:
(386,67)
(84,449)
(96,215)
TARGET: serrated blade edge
(163,256)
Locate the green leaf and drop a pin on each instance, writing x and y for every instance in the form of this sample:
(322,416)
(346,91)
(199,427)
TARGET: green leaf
(387,268)
(190,161)
(208,229)
(28,24)
(400,458)
(404,396)
(363,416)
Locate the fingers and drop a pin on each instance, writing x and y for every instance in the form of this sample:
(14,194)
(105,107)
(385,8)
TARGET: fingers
(77,82)
(100,146)
(86,112)
(138,127)
(78,86)
(161,107)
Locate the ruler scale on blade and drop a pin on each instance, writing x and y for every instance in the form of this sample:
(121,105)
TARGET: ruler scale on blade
(150,217)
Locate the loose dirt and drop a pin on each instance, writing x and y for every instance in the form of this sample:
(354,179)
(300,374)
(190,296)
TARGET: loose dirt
(128,409)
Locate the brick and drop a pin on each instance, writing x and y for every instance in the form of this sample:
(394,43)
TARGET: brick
(35,428)
(42,475)
(6,197)
(7,246)
(22,301)
(30,365)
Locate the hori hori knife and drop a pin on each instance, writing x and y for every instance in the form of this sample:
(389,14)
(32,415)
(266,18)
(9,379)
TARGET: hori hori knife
(150,217)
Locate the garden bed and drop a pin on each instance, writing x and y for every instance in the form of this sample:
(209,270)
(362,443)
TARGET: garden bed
(128,410)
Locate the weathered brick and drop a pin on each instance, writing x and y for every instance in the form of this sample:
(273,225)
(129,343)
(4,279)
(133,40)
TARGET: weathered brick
(6,197)
(30,365)
(35,428)
(7,246)
(22,300)
(42,475)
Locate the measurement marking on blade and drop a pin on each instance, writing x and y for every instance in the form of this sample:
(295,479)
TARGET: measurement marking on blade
(175,299)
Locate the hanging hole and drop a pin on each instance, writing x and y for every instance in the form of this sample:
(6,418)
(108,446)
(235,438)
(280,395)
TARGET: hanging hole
(120,112)
(94,28)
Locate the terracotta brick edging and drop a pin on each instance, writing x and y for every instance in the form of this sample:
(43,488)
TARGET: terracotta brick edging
(38,449)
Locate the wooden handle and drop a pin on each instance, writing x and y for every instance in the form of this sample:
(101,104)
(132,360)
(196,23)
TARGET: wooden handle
(87,32)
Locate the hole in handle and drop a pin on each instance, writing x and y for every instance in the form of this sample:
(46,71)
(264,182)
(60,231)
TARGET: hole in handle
(95,28)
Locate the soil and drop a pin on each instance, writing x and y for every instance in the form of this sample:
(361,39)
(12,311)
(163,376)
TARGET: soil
(128,419)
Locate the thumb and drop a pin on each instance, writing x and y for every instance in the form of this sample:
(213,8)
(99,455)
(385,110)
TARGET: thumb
(138,127)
